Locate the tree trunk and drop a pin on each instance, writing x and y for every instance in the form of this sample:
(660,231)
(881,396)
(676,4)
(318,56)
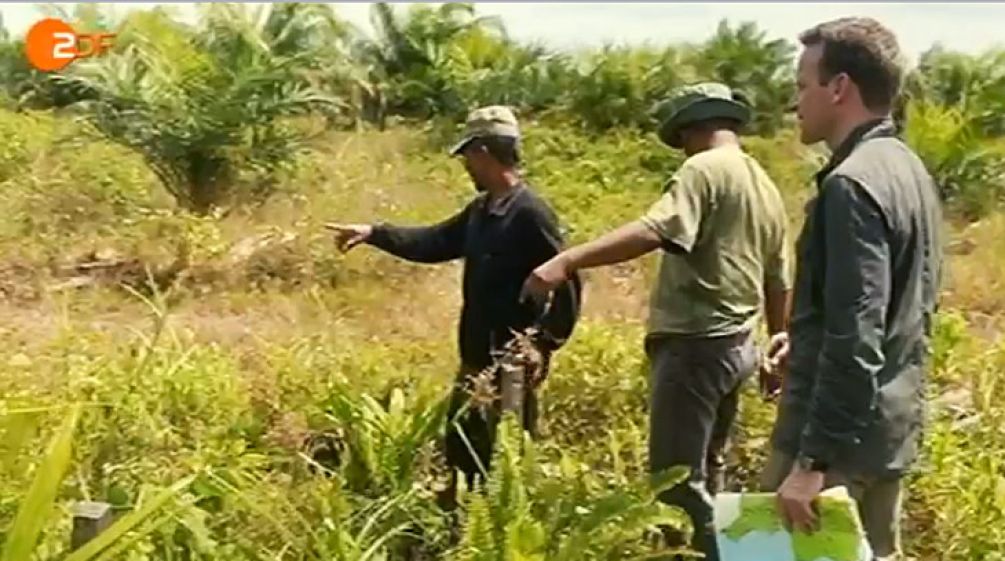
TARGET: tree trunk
(208,178)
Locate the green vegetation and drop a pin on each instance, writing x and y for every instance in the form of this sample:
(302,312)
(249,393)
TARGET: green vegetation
(246,393)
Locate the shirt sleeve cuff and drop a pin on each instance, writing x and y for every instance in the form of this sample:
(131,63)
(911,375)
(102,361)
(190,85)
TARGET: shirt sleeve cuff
(818,447)
(379,236)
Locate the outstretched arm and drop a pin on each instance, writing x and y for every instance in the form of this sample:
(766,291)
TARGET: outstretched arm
(628,242)
(424,244)
(672,223)
(624,244)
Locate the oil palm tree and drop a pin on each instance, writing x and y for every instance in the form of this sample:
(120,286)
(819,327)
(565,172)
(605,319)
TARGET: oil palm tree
(406,64)
(744,58)
(204,104)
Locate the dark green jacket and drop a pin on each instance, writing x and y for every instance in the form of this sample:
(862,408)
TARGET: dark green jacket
(868,274)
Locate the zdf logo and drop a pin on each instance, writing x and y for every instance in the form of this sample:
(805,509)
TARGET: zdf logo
(51,44)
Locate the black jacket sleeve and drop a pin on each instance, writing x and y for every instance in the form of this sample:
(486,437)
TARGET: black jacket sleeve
(426,244)
(856,298)
(559,320)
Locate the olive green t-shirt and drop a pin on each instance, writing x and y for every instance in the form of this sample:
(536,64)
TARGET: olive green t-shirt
(723,225)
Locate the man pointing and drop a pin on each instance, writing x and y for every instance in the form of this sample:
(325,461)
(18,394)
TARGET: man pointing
(501,235)
(722,228)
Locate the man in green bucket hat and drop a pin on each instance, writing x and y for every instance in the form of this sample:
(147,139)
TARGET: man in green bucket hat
(722,227)
(696,104)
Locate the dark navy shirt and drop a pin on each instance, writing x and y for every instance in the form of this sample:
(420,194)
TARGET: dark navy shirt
(501,244)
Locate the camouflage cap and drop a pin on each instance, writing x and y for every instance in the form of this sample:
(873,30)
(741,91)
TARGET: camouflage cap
(493,120)
(695,103)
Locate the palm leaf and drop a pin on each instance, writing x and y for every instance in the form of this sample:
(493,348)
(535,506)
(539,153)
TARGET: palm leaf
(38,502)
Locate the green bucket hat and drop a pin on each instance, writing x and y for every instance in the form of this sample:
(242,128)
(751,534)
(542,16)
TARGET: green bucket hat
(695,103)
(493,120)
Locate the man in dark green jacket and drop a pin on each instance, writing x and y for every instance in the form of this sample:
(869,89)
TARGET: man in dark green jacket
(868,272)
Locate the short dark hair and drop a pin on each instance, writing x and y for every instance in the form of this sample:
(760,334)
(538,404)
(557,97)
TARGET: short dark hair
(866,51)
(505,149)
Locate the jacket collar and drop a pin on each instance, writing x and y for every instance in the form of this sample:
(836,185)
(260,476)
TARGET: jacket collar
(876,128)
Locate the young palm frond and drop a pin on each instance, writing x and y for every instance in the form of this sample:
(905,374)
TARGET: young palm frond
(968,166)
(385,443)
(409,60)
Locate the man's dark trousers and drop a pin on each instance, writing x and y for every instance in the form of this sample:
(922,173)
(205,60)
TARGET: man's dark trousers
(694,390)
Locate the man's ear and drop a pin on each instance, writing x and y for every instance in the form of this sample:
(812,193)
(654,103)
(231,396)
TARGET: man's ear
(841,87)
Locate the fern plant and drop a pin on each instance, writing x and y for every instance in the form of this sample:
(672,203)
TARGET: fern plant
(521,515)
